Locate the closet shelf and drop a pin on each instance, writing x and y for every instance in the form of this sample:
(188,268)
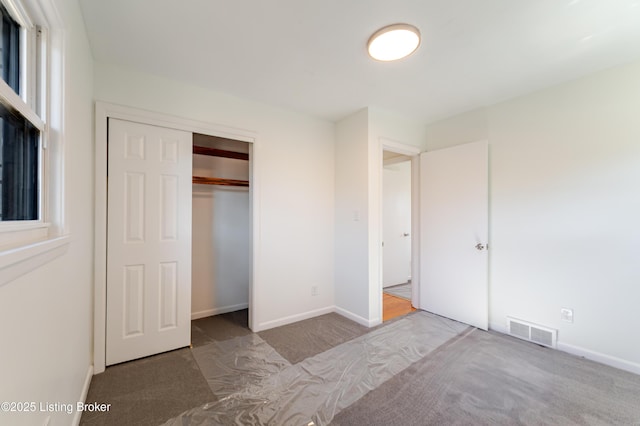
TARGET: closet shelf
(214,152)
(219,181)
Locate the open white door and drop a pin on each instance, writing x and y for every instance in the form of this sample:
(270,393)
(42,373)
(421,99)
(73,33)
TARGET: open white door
(148,241)
(454,233)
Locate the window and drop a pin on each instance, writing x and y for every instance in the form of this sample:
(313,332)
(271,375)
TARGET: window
(10,47)
(20,159)
(22,130)
(32,227)
(19,139)
(19,163)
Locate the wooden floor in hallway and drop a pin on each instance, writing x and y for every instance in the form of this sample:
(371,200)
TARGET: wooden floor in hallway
(393,306)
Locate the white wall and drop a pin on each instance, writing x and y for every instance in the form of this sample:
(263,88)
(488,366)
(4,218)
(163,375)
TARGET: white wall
(46,315)
(358,189)
(564,208)
(221,239)
(351,217)
(294,168)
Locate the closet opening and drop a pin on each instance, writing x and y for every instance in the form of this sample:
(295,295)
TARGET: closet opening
(221,236)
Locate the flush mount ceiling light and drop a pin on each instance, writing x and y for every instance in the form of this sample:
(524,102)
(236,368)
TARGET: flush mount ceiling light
(393,42)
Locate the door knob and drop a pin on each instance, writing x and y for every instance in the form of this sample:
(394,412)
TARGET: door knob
(480,246)
(406,234)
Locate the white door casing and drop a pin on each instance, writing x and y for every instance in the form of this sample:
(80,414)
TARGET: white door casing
(396,223)
(148,240)
(454,233)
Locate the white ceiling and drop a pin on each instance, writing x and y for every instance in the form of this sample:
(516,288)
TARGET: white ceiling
(310,55)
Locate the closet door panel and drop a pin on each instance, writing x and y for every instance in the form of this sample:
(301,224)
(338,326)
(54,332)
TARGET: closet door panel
(148,240)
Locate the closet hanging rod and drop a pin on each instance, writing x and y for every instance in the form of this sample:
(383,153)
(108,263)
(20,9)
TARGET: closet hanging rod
(219,181)
(214,152)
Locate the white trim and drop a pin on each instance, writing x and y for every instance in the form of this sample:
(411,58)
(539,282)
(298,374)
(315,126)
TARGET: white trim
(395,160)
(103,111)
(45,13)
(399,147)
(22,225)
(357,318)
(27,57)
(254,244)
(21,260)
(218,311)
(18,13)
(83,395)
(415,231)
(20,254)
(52,111)
(599,357)
(123,112)
(609,360)
(11,99)
(13,237)
(100,241)
(293,318)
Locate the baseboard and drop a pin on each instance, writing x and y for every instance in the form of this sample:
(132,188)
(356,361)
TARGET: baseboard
(601,358)
(609,360)
(357,318)
(293,318)
(83,395)
(218,311)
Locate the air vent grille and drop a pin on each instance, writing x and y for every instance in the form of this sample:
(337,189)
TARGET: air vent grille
(519,330)
(532,332)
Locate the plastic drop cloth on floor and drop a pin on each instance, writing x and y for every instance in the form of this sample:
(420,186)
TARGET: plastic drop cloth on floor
(232,365)
(313,391)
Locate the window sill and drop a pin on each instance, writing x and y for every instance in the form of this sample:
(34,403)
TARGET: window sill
(22,234)
(21,260)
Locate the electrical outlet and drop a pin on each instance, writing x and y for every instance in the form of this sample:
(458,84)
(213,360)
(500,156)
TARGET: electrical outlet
(566,314)
(314,290)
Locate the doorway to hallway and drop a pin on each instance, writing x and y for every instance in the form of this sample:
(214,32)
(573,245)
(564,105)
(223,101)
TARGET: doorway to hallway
(396,234)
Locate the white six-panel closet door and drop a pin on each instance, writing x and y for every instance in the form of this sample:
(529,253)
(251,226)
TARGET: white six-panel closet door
(149,240)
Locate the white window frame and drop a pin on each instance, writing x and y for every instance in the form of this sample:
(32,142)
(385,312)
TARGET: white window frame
(27,245)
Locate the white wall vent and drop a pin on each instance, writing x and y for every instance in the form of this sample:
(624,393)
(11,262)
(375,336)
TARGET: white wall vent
(532,332)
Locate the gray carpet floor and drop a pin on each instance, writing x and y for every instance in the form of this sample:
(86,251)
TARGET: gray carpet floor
(474,378)
(299,341)
(148,391)
(484,378)
(401,290)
